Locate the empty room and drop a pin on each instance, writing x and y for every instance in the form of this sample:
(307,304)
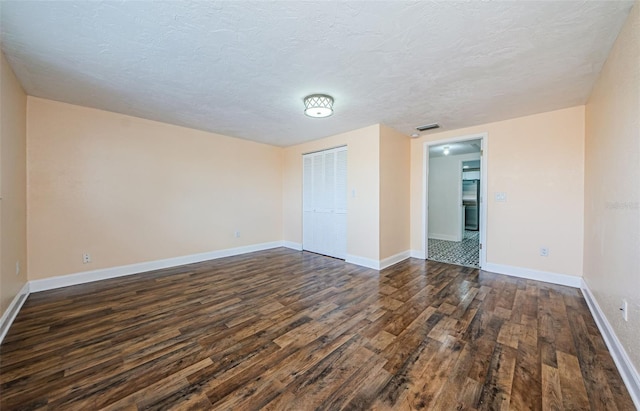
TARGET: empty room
(386,205)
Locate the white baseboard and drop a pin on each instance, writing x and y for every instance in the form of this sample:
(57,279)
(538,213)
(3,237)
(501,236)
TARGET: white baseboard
(547,277)
(120,271)
(628,372)
(292,245)
(12,310)
(394,259)
(445,237)
(418,254)
(377,264)
(362,261)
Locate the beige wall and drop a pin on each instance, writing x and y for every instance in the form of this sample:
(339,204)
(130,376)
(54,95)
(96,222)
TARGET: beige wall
(128,190)
(13,169)
(394,192)
(612,190)
(538,161)
(363,180)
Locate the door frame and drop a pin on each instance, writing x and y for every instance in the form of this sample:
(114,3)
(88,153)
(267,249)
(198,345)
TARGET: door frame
(484,146)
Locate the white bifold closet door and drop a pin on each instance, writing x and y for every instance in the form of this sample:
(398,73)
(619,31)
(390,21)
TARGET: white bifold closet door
(324,202)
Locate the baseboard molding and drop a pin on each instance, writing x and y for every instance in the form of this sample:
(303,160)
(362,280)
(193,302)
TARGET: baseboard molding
(545,276)
(362,261)
(377,264)
(292,245)
(12,310)
(418,254)
(394,259)
(628,372)
(444,237)
(120,271)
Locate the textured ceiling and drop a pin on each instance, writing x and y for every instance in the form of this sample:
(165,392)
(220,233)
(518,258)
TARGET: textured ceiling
(242,68)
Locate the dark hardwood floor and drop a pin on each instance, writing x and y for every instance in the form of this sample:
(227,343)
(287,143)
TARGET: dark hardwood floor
(281,329)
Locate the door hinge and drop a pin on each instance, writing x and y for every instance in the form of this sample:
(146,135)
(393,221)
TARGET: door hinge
(481,152)
(481,246)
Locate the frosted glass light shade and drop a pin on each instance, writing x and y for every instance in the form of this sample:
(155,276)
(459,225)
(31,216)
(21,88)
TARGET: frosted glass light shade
(318,105)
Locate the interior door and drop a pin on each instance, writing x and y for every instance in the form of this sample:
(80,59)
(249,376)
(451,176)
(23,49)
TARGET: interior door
(340,204)
(324,222)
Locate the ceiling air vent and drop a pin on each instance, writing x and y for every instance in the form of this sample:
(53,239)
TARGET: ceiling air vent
(428,127)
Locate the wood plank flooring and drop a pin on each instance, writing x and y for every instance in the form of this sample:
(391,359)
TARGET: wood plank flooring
(286,330)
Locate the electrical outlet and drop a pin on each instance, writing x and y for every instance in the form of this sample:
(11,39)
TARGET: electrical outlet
(86,258)
(237,234)
(17,267)
(544,252)
(625,310)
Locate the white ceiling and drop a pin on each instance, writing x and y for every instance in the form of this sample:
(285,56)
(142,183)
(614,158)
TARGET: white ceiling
(242,68)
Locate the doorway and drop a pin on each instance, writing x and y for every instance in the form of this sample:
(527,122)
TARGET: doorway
(455,217)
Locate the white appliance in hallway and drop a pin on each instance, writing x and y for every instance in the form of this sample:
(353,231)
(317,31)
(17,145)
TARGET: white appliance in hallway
(324,202)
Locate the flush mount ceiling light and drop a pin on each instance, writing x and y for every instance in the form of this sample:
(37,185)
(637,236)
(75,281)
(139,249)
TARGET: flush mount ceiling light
(445,150)
(318,105)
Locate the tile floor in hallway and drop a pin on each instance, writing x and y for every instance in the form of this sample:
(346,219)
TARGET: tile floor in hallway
(465,252)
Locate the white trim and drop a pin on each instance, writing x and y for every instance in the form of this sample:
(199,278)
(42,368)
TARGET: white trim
(378,264)
(362,261)
(394,259)
(418,254)
(483,202)
(461,228)
(425,200)
(627,371)
(444,237)
(546,276)
(120,271)
(292,245)
(12,310)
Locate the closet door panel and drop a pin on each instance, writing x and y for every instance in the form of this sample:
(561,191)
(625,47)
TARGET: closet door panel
(340,235)
(340,204)
(324,200)
(340,194)
(324,233)
(329,186)
(308,222)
